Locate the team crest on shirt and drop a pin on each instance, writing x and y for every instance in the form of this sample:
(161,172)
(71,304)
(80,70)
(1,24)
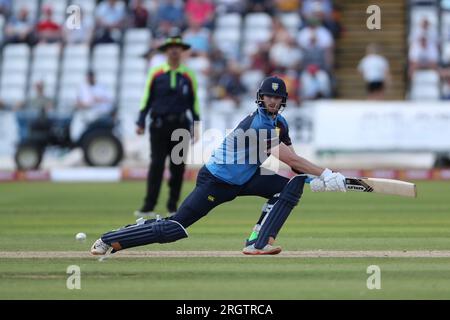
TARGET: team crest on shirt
(275,86)
(277,130)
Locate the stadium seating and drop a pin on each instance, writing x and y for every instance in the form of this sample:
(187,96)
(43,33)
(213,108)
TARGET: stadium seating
(446,53)
(2,24)
(105,63)
(229,21)
(15,68)
(134,67)
(257,20)
(45,67)
(228,41)
(257,30)
(122,68)
(425,85)
(292,22)
(75,63)
(251,79)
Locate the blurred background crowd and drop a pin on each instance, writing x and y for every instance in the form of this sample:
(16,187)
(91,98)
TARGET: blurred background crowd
(46,58)
(235,44)
(61,56)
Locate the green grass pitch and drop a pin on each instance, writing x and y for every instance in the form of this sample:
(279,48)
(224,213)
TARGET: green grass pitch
(46,216)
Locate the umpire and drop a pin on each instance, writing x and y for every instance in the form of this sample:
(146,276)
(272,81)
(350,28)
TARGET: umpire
(171,90)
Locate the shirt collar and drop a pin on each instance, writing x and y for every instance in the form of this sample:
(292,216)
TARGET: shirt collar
(181,68)
(266,117)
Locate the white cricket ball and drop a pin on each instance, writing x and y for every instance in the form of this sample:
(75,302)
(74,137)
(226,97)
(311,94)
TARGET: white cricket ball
(80,236)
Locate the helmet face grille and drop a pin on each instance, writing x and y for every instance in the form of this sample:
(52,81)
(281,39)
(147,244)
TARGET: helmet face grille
(272,86)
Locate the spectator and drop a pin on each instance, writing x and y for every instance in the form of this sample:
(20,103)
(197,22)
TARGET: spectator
(423,55)
(19,28)
(279,32)
(34,111)
(201,12)
(287,5)
(198,37)
(324,38)
(139,14)
(164,30)
(82,35)
(424,30)
(94,96)
(110,18)
(290,77)
(285,53)
(229,6)
(375,70)
(40,104)
(260,6)
(171,13)
(260,60)
(315,83)
(3,106)
(445,4)
(333,23)
(218,64)
(313,54)
(47,29)
(322,9)
(5,7)
(229,85)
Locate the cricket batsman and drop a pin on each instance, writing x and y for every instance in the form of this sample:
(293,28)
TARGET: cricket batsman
(234,170)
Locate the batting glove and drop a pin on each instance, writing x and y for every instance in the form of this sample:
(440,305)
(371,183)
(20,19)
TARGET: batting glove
(334,181)
(317,185)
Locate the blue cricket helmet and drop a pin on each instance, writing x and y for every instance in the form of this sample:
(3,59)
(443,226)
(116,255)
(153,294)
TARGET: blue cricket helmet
(272,86)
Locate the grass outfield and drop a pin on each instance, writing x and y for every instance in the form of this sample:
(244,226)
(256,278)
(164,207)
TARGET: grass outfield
(46,217)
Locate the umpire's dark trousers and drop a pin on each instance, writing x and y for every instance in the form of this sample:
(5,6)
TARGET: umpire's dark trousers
(161,146)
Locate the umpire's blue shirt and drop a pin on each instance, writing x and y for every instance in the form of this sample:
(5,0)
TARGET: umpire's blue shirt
(244,150)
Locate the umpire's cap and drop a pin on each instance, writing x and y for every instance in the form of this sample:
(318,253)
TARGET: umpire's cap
(174,41)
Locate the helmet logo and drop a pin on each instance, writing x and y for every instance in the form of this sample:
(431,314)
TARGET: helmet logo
(275,86)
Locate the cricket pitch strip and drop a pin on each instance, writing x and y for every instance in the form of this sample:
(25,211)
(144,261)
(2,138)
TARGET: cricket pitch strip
(226,254)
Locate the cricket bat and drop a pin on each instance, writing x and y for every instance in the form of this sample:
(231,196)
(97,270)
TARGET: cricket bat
(383,186)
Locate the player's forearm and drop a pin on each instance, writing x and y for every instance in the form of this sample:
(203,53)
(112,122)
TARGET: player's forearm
(297,163)
(302,165)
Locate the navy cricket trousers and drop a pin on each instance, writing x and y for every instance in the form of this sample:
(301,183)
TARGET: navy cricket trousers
(210,192)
